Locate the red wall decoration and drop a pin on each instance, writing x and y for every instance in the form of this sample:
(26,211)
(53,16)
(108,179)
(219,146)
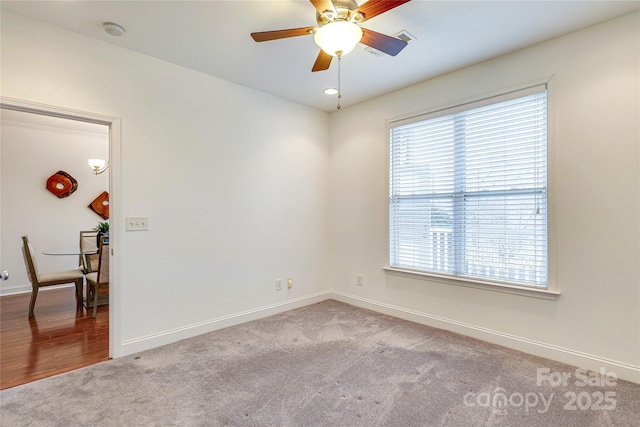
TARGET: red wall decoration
(100,205)
(62,184)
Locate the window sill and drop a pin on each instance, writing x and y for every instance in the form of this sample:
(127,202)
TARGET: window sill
(476,284)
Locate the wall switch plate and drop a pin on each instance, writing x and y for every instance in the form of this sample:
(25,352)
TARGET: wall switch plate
(289,282)
(278,284)
(137,223)
(360,280)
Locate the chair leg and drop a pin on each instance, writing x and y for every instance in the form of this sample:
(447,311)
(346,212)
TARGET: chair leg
(32,304)
(89,294)
(79,293)
(95,299)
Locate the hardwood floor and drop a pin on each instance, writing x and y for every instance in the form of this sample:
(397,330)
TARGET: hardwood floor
(57,339)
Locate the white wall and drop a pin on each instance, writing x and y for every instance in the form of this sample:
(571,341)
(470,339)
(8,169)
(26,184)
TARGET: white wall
(233,182)
(594,121)
(242,188)
(34,147)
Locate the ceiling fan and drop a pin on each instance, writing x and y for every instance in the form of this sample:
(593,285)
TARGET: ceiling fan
(338,30)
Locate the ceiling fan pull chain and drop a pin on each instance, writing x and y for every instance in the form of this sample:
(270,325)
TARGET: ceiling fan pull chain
(339,83)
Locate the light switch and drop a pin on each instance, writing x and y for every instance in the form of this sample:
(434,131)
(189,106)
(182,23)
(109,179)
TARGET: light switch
(137,223)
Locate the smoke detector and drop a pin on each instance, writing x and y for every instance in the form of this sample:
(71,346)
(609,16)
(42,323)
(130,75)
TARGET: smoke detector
(112,29)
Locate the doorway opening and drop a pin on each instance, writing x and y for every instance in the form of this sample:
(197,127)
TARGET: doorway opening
(101,137)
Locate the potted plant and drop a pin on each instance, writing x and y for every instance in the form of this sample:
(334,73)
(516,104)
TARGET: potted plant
(103,230)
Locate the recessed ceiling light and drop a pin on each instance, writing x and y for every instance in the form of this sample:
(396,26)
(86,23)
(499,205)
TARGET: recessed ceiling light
(331,91)
(113,29)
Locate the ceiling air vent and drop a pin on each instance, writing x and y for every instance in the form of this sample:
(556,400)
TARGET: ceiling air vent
(402,35)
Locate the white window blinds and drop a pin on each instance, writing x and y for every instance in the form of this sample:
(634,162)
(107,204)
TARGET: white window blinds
(468,191)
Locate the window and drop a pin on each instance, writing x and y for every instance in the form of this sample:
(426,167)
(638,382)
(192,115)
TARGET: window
(468,191)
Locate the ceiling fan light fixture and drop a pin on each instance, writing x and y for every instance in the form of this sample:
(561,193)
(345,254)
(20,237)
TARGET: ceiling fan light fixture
(329,15)
(338,38)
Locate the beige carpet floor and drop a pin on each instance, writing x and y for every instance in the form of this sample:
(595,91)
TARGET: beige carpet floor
(328,364)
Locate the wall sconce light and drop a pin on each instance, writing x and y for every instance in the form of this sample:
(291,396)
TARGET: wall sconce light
(98,165)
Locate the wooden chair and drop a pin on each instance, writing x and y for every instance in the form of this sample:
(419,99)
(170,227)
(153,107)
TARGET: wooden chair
(88,262)
(48,279)
(99,278)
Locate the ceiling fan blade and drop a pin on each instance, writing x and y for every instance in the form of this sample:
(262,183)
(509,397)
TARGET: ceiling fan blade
(387,44)
(376,7)
(322,5)
(322,61)
(282,34)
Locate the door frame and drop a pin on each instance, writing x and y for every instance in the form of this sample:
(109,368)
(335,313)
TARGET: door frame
(115,198)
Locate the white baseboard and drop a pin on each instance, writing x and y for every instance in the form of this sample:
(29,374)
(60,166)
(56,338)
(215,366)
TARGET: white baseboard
(624,371)
(578,359)
(167,337)
(26,289)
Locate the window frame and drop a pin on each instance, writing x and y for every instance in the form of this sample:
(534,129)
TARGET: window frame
(551,292)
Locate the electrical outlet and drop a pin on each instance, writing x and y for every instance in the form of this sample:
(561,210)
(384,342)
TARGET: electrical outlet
(360,280)
(137,223)
(278,284)
(289,282)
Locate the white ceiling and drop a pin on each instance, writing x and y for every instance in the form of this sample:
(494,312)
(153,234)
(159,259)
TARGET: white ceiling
(213,37)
